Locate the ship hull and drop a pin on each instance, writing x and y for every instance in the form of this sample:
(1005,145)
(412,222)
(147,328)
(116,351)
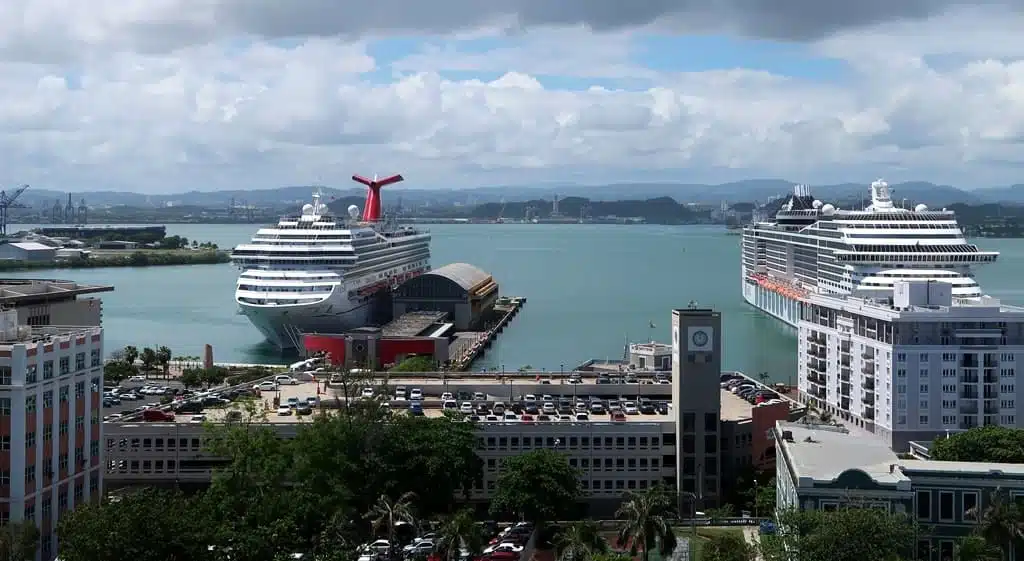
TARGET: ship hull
(782,307)
(283,326)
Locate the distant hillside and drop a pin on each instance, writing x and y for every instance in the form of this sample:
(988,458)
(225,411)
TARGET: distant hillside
(739,191)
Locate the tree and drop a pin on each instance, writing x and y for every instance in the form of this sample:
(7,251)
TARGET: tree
(580,541)
(975,548)
(539,486)
(163,357)
(131,354)
(718,514)
(461,531)
(990,443)
(847,534)
(1001,522)
(214,376)
(116,372)
(147,525)
(191,378)
(386,515)
(728,546)
(18,541)
(648,522)
(148,358)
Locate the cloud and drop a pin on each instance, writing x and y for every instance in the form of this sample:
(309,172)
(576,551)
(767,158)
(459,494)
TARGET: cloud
(166,95)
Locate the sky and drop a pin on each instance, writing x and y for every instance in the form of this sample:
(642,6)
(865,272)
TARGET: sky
(162,96)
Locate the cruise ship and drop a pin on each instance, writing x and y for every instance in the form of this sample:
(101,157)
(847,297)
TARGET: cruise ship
(317,272)
(814,247)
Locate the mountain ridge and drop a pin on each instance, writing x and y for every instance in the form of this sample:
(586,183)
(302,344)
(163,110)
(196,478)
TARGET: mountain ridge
(749,190)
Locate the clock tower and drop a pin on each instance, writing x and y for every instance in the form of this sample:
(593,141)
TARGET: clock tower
(696,405)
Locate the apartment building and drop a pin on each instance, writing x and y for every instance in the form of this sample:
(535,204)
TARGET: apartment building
(51,383)
(915,366)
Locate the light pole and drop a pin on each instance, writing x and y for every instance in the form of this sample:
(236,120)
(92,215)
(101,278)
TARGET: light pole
(755,499)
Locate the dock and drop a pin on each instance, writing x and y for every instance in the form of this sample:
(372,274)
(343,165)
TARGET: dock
(471,345)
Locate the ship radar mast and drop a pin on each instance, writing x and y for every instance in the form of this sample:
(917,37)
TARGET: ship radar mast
(881,198)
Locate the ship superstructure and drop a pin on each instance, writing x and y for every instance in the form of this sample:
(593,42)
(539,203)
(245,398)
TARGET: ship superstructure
(814,247)
(318,272)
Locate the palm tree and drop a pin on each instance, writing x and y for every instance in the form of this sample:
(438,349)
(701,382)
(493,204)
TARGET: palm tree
(458,532)
(18,541)
(647,522)
(163,356)
(1000,523)
(975,548)
(580,541)
(387,515)
(764,377)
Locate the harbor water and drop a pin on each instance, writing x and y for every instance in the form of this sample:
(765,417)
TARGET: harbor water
(591,288)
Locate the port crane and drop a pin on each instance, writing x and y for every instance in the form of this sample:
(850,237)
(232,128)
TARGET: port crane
(7,202)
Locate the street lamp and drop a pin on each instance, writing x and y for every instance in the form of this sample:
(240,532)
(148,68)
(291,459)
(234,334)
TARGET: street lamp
(755,498)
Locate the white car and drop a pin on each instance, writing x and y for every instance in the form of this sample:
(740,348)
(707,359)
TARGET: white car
(447,396)
(284,380)
(511,418)
(630,408)
(367,393)
(466,408)
(137,379)
(530,398)
(449,405)
(416,394)
(265,387)
(284,411)
(503,546)
(381,546)
(548,408)
(197,419)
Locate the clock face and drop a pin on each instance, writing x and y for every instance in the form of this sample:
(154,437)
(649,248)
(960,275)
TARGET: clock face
(700,338)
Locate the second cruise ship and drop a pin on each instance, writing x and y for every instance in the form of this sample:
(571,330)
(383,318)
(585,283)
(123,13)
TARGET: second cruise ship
(317,272)
(815,247)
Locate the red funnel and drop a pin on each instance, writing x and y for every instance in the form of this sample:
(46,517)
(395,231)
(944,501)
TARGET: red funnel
(371,210)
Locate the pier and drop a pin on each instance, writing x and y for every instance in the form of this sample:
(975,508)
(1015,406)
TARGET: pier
(469,346)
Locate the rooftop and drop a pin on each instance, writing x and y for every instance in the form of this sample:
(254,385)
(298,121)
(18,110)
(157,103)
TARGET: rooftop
(24,334)
(822,453)
(412,324)
(17,291)
(884,309)
(31,246)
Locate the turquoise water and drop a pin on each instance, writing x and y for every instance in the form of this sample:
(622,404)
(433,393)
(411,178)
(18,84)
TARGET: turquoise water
(590,288)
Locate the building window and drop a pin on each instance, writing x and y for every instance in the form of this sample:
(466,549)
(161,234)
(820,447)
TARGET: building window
(65,391)
(47,399)
(79,422)
(31,374)
(47,369)
(5,406)
(80,361)
(5,375)
(5,477)
(970,499)
(946,506)
(924,505)
(30,404)
(47,433)
(94,357)
(79,389)
(5,442)
(30,439)
(30,475)
(65,365)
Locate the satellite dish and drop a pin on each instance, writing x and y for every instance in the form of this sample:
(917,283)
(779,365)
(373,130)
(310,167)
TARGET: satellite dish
(307,209)
(921,208)
(353,211)
(816,204)
(828,209)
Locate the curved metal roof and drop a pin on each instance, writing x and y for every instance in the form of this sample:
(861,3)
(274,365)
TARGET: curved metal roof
(463,274)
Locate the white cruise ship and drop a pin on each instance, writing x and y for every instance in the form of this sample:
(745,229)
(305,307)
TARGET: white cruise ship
(812,247)
(317,273)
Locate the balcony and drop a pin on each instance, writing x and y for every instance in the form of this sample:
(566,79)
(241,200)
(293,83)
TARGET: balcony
(991,409)
(868,398)
(869,413)
(969,408)
(868,355)
(844,361)
(844,390)
(817,339)
(868,369)
(868,384)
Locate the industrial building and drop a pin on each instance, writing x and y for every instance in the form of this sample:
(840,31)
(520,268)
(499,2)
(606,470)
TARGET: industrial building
(826,467)
(913,367)
(51,374)
(461,290)
(698,436)
(27,251)
(415,333)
